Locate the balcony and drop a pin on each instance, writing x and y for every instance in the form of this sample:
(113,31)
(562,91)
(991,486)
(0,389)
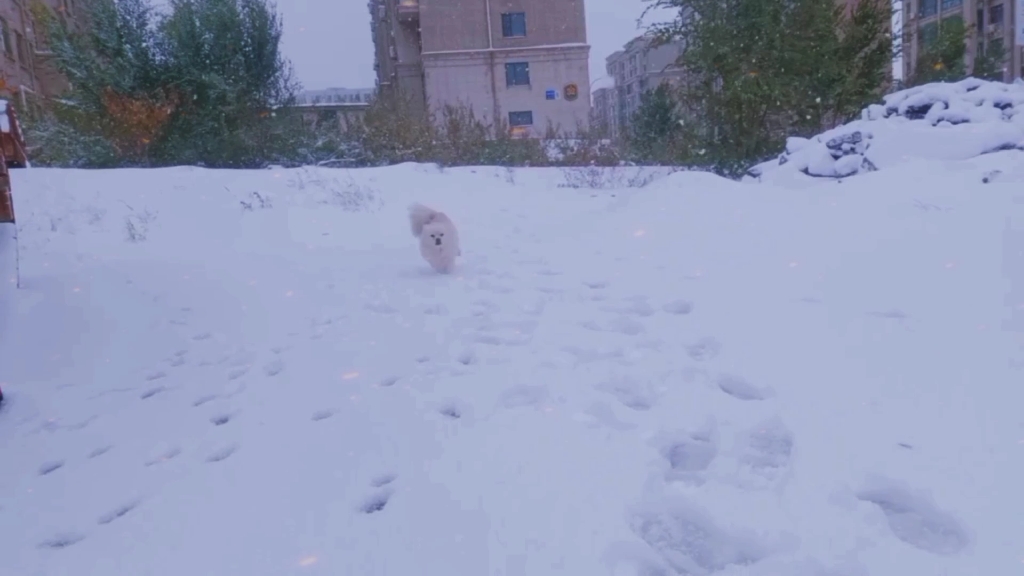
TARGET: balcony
(408,10)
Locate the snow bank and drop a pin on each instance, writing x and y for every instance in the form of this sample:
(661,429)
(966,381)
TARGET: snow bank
(938,121)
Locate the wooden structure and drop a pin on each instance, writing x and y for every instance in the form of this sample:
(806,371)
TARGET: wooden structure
(12,155)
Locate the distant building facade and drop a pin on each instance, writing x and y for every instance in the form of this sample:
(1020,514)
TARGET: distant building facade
(602,114)
(520,63)
(993,25)
(26,63)
(343,106)
(640,66)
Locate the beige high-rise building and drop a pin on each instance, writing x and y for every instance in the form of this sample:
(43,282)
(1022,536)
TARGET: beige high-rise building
(521,63)
(991,23)
(640,66)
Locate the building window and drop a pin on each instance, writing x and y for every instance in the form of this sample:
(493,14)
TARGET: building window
(981,19)
(517,74)
(513,24)
(928,8)
(949,4)
(520,119)
(995,14)
(5,36)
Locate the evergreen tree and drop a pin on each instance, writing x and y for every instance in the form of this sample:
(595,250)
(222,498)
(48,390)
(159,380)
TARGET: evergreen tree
(943,53)
(990,60)
(224,57)
(117,104)
(760,70)
(655,130)
(204,84)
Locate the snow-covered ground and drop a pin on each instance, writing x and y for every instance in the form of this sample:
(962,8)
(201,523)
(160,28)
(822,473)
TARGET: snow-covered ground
(253,373)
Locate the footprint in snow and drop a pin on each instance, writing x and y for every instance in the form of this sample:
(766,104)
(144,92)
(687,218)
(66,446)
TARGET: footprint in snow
(626,325)
(450,411)
(914,518)
(117,512)
(204,399)
(62,540)
(453,409)
(100,451)
(155,375)
(706,348)
(221,419)
(152,392)
(766,452)
(467,358)
(202,336)
(274,367)
(739,388)
(164,455)
(631,393)
(50,467)
(690,541)
(222,453)
(383,480)
(596,284)
(376,502)
(321,415)
(388,382)
(236,373)
(690,453)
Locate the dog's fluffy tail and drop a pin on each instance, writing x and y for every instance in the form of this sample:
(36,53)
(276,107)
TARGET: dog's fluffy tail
(420,216)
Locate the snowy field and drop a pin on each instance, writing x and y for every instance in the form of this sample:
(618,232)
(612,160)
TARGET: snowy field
(247,373)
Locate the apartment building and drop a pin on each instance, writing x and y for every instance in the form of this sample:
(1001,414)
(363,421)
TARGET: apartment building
(638,67)
(26,65)
(344,107)
(995,24)
(521,63)
(602,112)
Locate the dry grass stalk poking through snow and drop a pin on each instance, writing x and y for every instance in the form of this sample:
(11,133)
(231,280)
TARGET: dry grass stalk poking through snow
(605,178)
(349,195)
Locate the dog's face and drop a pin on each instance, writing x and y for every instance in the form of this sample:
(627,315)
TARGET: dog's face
(435,236)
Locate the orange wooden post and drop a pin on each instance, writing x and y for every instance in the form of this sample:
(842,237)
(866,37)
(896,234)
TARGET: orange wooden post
(6,200)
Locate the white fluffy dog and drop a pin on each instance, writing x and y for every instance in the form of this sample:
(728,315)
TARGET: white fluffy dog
(439,240)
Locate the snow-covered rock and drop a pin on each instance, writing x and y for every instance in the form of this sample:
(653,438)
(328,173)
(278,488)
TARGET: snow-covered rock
(939,121)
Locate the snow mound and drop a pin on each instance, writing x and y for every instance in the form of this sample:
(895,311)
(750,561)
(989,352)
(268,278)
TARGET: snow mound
(938,121)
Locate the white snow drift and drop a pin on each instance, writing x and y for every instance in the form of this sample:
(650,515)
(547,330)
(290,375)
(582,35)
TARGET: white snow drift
(938,121)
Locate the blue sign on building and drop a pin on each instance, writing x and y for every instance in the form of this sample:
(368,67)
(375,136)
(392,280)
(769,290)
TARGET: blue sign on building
(551,95)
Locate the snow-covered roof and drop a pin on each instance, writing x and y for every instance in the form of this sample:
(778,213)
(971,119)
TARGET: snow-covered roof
(938,121)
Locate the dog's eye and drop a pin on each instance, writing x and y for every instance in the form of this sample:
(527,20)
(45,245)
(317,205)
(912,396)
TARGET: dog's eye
(441,234)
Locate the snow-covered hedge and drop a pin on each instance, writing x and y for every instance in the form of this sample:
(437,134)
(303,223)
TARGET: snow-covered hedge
(940,121)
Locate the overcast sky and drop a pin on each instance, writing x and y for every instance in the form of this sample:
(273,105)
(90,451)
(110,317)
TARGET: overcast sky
(328,41)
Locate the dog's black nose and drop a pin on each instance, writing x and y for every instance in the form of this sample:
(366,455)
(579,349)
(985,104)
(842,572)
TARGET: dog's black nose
(437,241)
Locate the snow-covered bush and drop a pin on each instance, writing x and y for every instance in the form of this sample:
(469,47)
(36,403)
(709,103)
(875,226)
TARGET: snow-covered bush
(942,121)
